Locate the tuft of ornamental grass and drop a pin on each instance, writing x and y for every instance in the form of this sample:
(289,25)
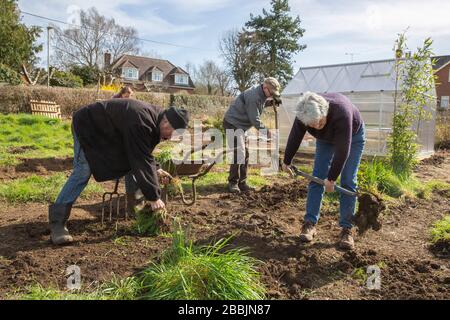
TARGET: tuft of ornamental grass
(441,230)
(212,272)
(40,189)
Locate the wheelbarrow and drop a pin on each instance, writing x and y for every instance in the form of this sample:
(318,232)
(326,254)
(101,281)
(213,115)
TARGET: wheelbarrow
(193,171)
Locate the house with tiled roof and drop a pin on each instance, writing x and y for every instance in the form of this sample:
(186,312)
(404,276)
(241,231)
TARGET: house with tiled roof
(150,74)
(442,71)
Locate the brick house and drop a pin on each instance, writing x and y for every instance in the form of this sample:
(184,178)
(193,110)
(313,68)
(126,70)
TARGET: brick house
(442,71)
(149,74)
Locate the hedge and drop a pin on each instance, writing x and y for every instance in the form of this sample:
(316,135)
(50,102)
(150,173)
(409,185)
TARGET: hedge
(15,99)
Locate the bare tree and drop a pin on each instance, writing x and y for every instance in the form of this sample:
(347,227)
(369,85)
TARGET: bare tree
(207,76)
(86,44)
(241,54)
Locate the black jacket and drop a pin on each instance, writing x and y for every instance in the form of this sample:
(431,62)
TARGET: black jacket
(118,137)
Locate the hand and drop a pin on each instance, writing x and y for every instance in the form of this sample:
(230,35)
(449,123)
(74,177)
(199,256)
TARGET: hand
(157,205)
(329,185)
(287,169)
(163,176)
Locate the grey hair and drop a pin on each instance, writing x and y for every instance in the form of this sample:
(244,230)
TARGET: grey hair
(311,107)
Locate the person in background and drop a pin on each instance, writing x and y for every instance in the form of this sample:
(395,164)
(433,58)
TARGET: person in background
(339,131)
(244,113)
(113,138)
(126,92)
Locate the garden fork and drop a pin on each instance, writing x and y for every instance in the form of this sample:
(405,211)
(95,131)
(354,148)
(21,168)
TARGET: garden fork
(110,197)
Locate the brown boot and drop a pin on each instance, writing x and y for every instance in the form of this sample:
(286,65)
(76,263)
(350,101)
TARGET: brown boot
(346,242)
(308,232)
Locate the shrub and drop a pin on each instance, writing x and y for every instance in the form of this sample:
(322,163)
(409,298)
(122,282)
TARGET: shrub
(8,75)
(89,75)
(66,79)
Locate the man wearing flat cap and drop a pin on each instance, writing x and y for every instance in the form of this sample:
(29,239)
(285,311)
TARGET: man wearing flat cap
(113,138)
(245,112)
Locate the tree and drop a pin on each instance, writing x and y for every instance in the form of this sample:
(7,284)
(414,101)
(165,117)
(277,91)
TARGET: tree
(18,42)
(85,45)
(415,73)
(212,78)
(241,56)
(277,36)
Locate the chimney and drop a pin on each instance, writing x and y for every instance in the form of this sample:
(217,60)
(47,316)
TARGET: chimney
(107,60)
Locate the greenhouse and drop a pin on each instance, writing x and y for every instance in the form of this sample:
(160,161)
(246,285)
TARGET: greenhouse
(371,87)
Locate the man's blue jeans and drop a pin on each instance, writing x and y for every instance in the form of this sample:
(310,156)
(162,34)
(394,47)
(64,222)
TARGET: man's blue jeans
(322,162)
(80,176)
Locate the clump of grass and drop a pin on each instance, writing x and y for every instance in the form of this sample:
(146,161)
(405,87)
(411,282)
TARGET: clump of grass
(150,223)
(40,189)
(441,230)
(38,292)
(427,189)
(211,272)
(378,177)
(38,136)
(120,289)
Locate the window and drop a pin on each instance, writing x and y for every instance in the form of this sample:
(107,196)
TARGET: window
(157,76)
(449,75)
(181,79)
(130,73)
(444,102)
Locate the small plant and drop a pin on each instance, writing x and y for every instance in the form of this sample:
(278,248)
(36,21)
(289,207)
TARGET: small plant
(441,231)
(150,223)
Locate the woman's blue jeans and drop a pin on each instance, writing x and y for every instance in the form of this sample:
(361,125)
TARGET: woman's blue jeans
(80,176)
(322,162)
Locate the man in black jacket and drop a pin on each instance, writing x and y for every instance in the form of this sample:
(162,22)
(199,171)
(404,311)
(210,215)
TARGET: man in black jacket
(111,139)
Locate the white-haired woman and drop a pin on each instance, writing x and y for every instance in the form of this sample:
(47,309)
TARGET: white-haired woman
(339,131)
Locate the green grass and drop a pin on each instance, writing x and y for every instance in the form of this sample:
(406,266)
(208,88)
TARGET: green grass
(187,272)
(38,292)
(377,176)
(441,230)
(40,189)
(215,180)
(29,136)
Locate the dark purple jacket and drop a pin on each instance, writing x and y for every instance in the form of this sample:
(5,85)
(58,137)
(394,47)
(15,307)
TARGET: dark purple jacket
(343,121)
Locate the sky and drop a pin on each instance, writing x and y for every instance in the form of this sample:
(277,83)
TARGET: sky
(338,31)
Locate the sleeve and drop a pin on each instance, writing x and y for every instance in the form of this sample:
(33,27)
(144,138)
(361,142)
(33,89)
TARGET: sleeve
(342,142)
(295,139)
(253,108)
(143,165)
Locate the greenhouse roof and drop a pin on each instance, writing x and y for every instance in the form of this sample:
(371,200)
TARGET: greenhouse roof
(368,76)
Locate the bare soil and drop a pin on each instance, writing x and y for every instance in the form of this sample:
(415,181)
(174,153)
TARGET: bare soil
(267,222)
